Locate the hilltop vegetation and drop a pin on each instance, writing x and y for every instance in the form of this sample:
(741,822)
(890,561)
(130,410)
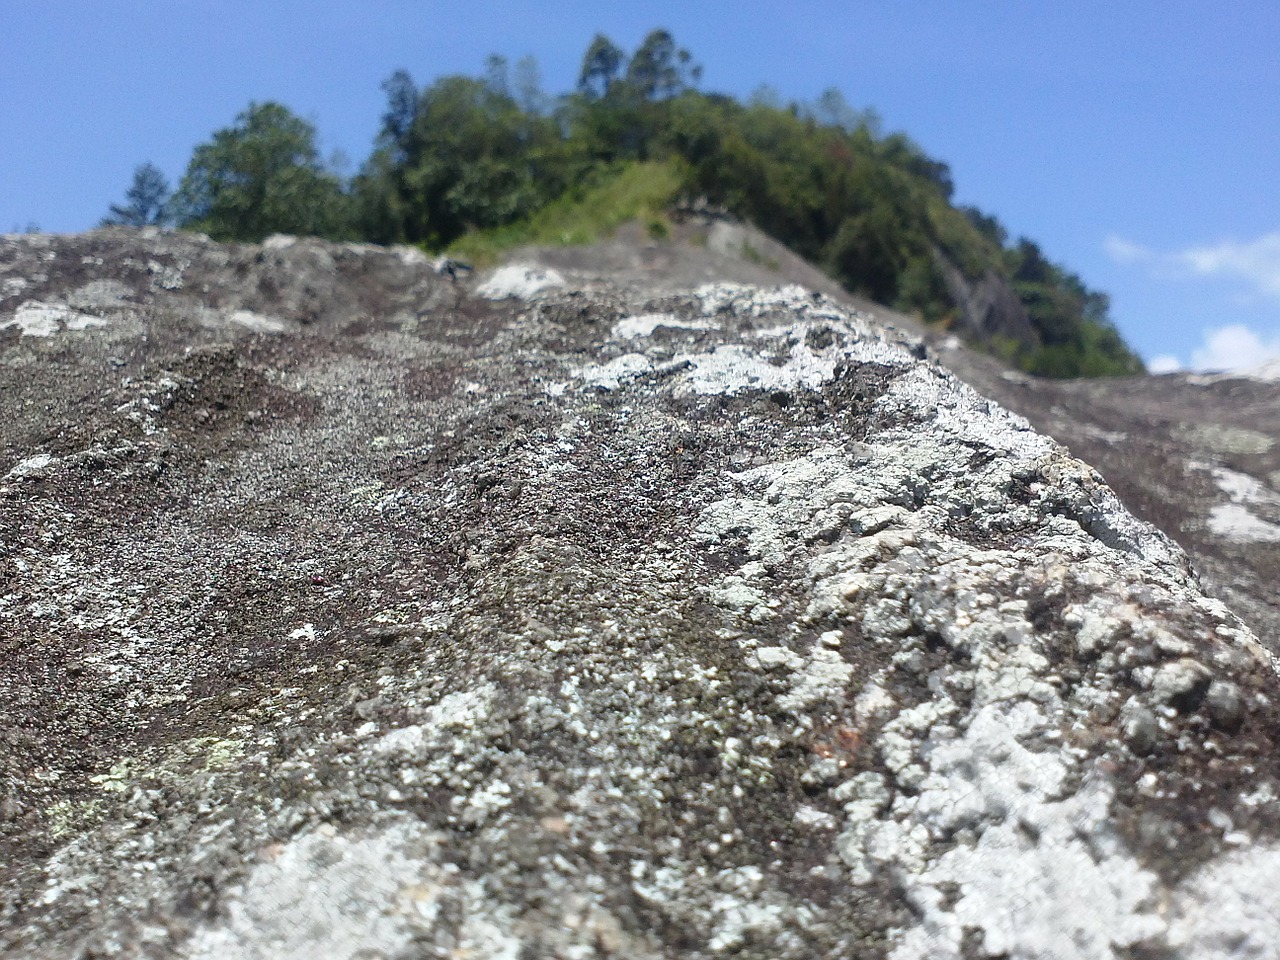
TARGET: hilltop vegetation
(478,164)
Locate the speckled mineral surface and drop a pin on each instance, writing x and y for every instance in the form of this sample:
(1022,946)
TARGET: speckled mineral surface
(348,610)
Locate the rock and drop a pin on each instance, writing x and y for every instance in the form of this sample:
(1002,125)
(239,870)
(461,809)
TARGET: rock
(1181,683)
(1225,705)
(1140,727)
(521,281)
(611,618)
(989,306)
(1197,456)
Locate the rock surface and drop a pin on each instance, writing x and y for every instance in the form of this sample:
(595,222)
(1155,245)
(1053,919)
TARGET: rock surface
(989,307)
(1198,456)
(348,612)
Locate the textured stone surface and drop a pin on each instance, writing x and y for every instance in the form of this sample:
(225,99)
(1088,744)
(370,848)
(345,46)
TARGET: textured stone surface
(1199,456)
(345,613)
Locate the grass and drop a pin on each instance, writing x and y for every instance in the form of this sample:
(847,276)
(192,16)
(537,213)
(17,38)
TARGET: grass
(632,191)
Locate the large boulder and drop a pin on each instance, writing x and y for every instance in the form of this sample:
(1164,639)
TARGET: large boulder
(346,612)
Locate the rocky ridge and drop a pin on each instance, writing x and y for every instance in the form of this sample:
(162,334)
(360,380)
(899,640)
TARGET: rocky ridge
(349,611)
(1196,455)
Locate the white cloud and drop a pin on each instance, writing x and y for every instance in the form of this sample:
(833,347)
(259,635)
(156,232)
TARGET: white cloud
(1233,348)
(1236,348)
(1256,262)
(1124,251)
(1165,363)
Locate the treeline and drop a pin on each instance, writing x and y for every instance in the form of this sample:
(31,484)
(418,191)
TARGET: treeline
(469,156)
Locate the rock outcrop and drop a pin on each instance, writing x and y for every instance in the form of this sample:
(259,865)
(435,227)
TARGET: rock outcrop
(348,612)
(1198,456)
(989,307)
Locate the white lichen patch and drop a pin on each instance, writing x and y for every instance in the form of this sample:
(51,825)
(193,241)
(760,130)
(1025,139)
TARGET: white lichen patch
(340,896)
(410,256)
(739,516)
(31,467)
(617,372)
(36,319)
(733,368)
(824,677)
(1239,519)
(257,322)
(117,779)
(1234,521)
(1046,877)
(522,281)
(634,328)
(743,299)
(100,295)
(734,593)
(1230,908)
(459,711)
(1221,438)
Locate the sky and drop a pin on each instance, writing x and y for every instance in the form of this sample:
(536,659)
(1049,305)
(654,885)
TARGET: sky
(1136,141)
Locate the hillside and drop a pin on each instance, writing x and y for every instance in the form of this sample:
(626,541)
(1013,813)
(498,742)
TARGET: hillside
(480,163)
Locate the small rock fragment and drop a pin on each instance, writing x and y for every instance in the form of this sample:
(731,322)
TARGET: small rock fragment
(1140,728)
(1181,684)
(1225,705)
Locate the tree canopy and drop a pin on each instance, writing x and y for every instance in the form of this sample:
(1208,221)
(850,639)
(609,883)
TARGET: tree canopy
(465,157)
(262,175)
(146,201)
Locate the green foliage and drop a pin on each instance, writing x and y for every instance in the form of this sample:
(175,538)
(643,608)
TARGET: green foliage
(146,199)
(1072,320)
(601,66)
(660,70)
(478,165)
(459,156)
(261,176)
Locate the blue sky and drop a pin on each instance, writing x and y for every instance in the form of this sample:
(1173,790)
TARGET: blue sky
(1136,141)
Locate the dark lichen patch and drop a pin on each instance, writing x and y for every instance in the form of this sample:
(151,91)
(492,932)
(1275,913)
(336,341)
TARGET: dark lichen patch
(1177,804)
(1045,608)
(221,402)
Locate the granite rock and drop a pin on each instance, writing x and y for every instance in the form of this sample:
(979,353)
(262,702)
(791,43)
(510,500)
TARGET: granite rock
(345,610)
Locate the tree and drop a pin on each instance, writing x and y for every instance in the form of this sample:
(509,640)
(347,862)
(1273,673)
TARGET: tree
(497,75)
(402,107)
(470,159)
(262,176)
(833,110)
(528,86)
(987,225)
(660,69)
(146,200)
(601,66)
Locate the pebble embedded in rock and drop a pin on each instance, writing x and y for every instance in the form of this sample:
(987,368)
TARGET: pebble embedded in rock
(1225,705)
(1180,684)
(1140,727)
